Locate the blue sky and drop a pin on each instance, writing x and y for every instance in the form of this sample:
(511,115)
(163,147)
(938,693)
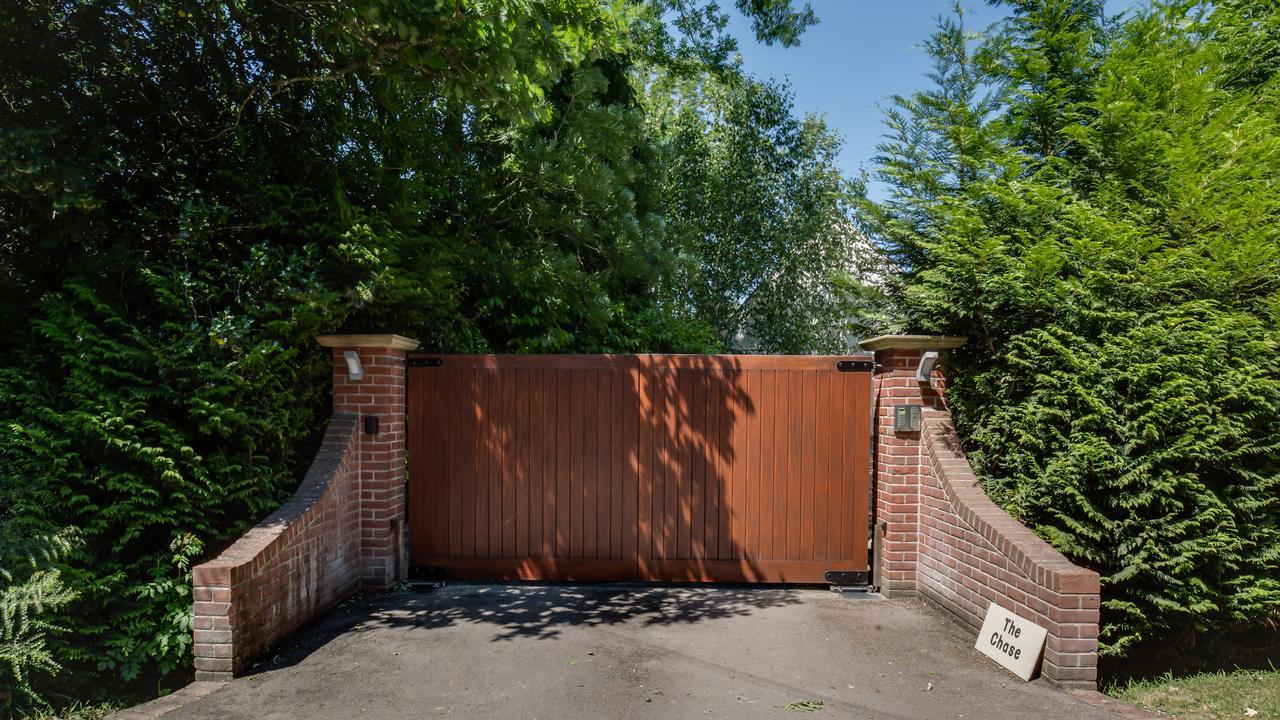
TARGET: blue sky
(860,53)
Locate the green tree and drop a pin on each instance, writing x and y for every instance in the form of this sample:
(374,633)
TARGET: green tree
(1046,55)
(1105,232)
(190,191)
(753,197)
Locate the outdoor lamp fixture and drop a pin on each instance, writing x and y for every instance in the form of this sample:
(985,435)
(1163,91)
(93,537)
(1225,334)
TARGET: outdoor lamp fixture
(355,371)
(925,368)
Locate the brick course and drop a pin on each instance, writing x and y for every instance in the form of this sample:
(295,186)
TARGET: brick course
(942,537)
(300,560)
(339,532)
(380,393)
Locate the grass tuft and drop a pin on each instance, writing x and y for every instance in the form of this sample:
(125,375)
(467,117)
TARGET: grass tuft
(1208,696)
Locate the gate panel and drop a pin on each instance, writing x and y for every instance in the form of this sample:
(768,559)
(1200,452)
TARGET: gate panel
(651,467)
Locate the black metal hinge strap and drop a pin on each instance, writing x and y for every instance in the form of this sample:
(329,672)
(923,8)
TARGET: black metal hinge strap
(844,577)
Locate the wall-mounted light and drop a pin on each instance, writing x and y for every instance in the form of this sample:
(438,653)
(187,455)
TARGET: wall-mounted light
(355,371)
(925,368)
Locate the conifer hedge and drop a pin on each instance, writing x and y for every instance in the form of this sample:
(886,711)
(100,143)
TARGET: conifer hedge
(1094,203)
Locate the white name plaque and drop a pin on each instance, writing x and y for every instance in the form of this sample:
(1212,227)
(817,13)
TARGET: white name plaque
(1011,641)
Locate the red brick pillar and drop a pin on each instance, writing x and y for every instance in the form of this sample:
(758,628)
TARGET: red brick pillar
(376,394)
(897,453)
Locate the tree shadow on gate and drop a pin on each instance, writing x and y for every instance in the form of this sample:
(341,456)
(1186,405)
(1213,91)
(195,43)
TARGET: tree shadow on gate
(597,467)
(693,452)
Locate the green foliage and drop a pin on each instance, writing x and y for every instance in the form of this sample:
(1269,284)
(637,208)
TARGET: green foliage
(688,37)
(753,196)
(76,711)
(1092,204)
(189,192)
(30,592)
(151,444)
(1149,453)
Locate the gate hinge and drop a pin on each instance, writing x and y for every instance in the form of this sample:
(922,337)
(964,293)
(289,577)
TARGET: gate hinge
(425,362)
(855,365)
(428,573)
(848,577)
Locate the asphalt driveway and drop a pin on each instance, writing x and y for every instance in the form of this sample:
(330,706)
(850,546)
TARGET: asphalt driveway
(555,652)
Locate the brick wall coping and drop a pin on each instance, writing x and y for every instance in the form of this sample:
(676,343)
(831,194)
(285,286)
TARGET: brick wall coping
(1043,564)
(912,342)
(385,340)
(238,562)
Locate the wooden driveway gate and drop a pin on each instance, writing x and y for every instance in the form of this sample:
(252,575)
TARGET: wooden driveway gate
(722,468)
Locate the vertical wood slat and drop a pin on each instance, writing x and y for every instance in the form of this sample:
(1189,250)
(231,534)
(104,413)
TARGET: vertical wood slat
(698,456)
(478,478)
(733,532)
(456,443)
(605,449)
(808,429)
(471,467)
(827,497)
(509,462)
(859,411)
(585,514)
(433,393)
(683,469)
(577,425)
(751,429)
(715,483)
(550,438)
(663,461)
(765,417)
(533,458)
(645,468)
(484,459)
(622,452)
(520,406)
(493,500)
(844,481)
(786,528)
(564,501)
(631,430)
(670,510)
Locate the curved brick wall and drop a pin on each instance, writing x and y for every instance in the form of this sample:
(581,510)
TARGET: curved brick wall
(299,561)
(972,553)
(940,536)
(341,530)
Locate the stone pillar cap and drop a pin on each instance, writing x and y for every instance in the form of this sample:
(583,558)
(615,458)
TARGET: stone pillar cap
(386,340)
(913,342)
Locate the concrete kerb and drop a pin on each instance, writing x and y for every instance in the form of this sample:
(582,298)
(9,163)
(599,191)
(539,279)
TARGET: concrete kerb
(168,703)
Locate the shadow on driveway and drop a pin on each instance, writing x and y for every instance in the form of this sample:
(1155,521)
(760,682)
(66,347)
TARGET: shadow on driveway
(527,611)
(630,651)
